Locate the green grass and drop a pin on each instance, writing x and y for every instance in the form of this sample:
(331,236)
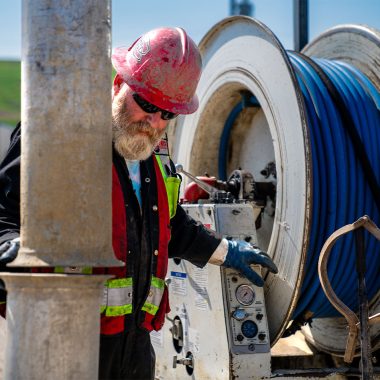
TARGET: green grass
(10,93)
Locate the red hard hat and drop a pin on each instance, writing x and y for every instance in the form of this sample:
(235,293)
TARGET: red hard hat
(163,66)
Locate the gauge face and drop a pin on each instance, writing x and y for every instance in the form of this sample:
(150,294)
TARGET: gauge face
(249,329)
(245,295)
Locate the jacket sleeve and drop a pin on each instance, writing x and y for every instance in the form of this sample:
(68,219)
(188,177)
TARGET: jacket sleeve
(10,189)
(190,240)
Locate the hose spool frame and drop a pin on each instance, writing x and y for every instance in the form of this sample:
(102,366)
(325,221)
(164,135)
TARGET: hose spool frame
(241,54)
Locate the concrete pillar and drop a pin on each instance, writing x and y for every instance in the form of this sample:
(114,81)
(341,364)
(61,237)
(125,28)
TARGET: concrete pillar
(66,134)
(66,200)
(51,330)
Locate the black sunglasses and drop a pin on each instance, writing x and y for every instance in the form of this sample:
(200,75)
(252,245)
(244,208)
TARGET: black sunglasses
(151,108)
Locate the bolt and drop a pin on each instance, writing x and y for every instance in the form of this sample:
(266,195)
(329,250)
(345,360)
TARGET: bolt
(251,347)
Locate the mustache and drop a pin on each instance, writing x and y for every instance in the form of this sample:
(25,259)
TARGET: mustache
(142,126)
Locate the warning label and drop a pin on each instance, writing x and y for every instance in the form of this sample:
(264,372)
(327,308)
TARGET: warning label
(178,283)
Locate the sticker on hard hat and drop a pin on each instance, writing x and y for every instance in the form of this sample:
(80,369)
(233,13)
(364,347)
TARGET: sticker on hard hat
(141,48)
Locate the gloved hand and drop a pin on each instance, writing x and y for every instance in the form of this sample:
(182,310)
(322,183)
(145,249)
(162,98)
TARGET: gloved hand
(241,255)
(9,251)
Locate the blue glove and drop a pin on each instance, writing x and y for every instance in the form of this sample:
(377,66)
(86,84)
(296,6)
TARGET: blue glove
(9,251)
(241,255)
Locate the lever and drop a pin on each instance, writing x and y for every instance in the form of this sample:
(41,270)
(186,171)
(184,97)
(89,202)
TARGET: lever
(205,186)
(188,361)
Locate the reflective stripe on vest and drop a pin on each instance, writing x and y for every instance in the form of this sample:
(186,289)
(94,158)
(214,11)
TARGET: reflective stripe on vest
(156,291)
(117,297)
(172,185)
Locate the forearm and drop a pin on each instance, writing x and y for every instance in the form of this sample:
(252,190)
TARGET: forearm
(219,255)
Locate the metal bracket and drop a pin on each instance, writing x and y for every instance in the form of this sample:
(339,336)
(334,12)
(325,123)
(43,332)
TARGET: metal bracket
(349,315)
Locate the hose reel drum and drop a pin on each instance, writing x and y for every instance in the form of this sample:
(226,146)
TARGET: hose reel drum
(239,55)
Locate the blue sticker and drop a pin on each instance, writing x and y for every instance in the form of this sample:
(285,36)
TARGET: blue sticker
(178,274)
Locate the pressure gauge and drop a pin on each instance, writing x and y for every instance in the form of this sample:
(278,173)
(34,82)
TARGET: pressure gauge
(245,295)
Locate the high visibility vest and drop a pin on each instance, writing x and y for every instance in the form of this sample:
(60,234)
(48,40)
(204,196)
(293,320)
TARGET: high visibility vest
(118,292)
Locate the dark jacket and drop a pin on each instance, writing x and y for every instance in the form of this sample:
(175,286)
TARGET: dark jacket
(189,239)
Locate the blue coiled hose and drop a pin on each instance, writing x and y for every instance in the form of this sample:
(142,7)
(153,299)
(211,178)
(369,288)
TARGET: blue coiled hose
(342,190)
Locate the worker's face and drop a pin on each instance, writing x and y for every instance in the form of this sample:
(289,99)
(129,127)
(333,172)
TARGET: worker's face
(135,132)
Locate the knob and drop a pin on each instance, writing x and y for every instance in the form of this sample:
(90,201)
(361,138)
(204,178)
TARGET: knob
(239,314)
(262,336)
(259,317)
(240,337)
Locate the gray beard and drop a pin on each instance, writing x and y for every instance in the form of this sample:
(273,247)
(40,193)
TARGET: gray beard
(131,143)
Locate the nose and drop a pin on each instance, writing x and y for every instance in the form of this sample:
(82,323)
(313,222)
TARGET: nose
(155,120)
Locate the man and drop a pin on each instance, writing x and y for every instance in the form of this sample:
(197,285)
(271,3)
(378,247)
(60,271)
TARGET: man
(156,80)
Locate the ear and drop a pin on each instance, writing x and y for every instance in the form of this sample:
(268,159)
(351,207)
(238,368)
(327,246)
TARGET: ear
(117,83)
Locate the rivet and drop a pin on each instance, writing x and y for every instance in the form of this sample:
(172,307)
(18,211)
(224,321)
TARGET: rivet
(155,252)
(147,180)
(155,208)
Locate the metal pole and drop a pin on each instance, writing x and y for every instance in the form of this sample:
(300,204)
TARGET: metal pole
(301,24)
(242,7)
(365,341)
(66,214)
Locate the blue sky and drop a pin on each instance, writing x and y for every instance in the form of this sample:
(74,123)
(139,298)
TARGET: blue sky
(130,18)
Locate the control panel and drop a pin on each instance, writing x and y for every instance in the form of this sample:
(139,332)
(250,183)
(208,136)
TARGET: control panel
(217,327)
(245,314)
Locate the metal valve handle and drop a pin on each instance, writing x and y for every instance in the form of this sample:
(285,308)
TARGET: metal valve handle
(188,361)
(205,186)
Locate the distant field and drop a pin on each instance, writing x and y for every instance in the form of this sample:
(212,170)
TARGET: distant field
(10,92)
(10,97)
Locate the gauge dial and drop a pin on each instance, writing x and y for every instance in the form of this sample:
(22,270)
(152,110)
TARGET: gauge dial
(249,329)
(245,295)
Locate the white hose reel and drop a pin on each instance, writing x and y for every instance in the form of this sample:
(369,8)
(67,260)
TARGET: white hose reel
(239,54)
